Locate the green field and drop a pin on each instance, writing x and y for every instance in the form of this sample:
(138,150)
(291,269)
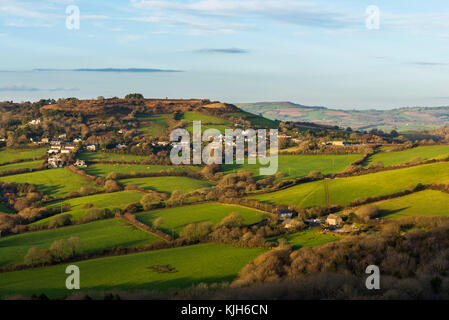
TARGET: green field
(206,263)
(22,165)
(101,169)
(395,158)
(204,118)
(175,219)
(104,156)
(295,166)
(344,190)
(204,127)
(5,209)
(309,238)
(55,182)
(256,120)
(95,236)
(155,125)
(8,155)
(428,203)
(167,184)
(102,201)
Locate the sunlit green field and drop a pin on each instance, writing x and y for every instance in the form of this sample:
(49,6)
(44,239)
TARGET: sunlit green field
(344,190)
(175,219)
(204,127)
(95,236)
(101,169)
(206,263)
(394,158)
(55,182)
(167,184)
(295,166)
(156,125)
(428,203)
(22,165)
(104,156)
(204,118)
(309,238)
(9,154)
(101,201)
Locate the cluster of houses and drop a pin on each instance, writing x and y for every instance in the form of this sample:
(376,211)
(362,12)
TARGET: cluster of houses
(58,148)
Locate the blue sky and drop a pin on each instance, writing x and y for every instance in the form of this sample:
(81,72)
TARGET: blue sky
(309,52)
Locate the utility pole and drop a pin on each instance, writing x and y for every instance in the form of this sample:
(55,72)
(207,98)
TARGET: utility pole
(326,192)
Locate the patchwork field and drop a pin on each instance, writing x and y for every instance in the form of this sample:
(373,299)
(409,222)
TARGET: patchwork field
(100,169)
(94,236)
(206,263)
(175,219)
(295,166)
(101,201)
(8,155)
(156,125)
(427,203)
(395,158)
(55,182)
(309,238)
(167,184)
(344,190)
(89,156)
(22,165)
(204,127)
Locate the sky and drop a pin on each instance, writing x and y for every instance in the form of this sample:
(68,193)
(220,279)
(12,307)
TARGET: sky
(320,53)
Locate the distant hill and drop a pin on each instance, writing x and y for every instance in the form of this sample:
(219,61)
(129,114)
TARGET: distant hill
(402,119)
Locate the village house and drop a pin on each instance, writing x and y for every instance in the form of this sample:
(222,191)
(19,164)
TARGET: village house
(35,122)
(80,163)
(55,142)
(284,214)
(77,140)
(120,146)
(91,147)
(313,222)
(54,161)
(334,220)
(122,131)
(44,141)
(62,136)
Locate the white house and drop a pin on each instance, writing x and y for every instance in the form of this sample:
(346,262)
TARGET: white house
(35,122)
(91,147)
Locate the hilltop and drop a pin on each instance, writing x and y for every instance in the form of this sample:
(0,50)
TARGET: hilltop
(402,119)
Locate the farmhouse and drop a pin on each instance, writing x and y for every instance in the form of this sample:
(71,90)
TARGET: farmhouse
(284,214)
(35,122)
(80,163)
(334,220)
(91,147)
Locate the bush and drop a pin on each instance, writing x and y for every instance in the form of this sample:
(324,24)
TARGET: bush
(231,221)
(60,221)
(196,231)
(367,212)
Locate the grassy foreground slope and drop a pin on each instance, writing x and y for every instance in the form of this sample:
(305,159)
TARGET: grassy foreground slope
(156,124)
(55,182)
(101,201)
(395,158)
(94,236)
(295,166)
(344,190)
(8,155)
(206,263)
(21,165)
(167,184)
(175,219)
(100,169)
(427,203)
(5,209)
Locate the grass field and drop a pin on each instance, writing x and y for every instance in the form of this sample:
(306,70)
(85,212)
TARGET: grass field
(428,203)
(103,200)
(22,165)
(89,156)
(204,127)
(343,191)
(175,219)
(94,236)
(295,166)
(8,155)
(100,169)
(204,118)
(5,209)
(55,182)
(206,263)
(167,184)
(395,158)
(156,125)
(309,238)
